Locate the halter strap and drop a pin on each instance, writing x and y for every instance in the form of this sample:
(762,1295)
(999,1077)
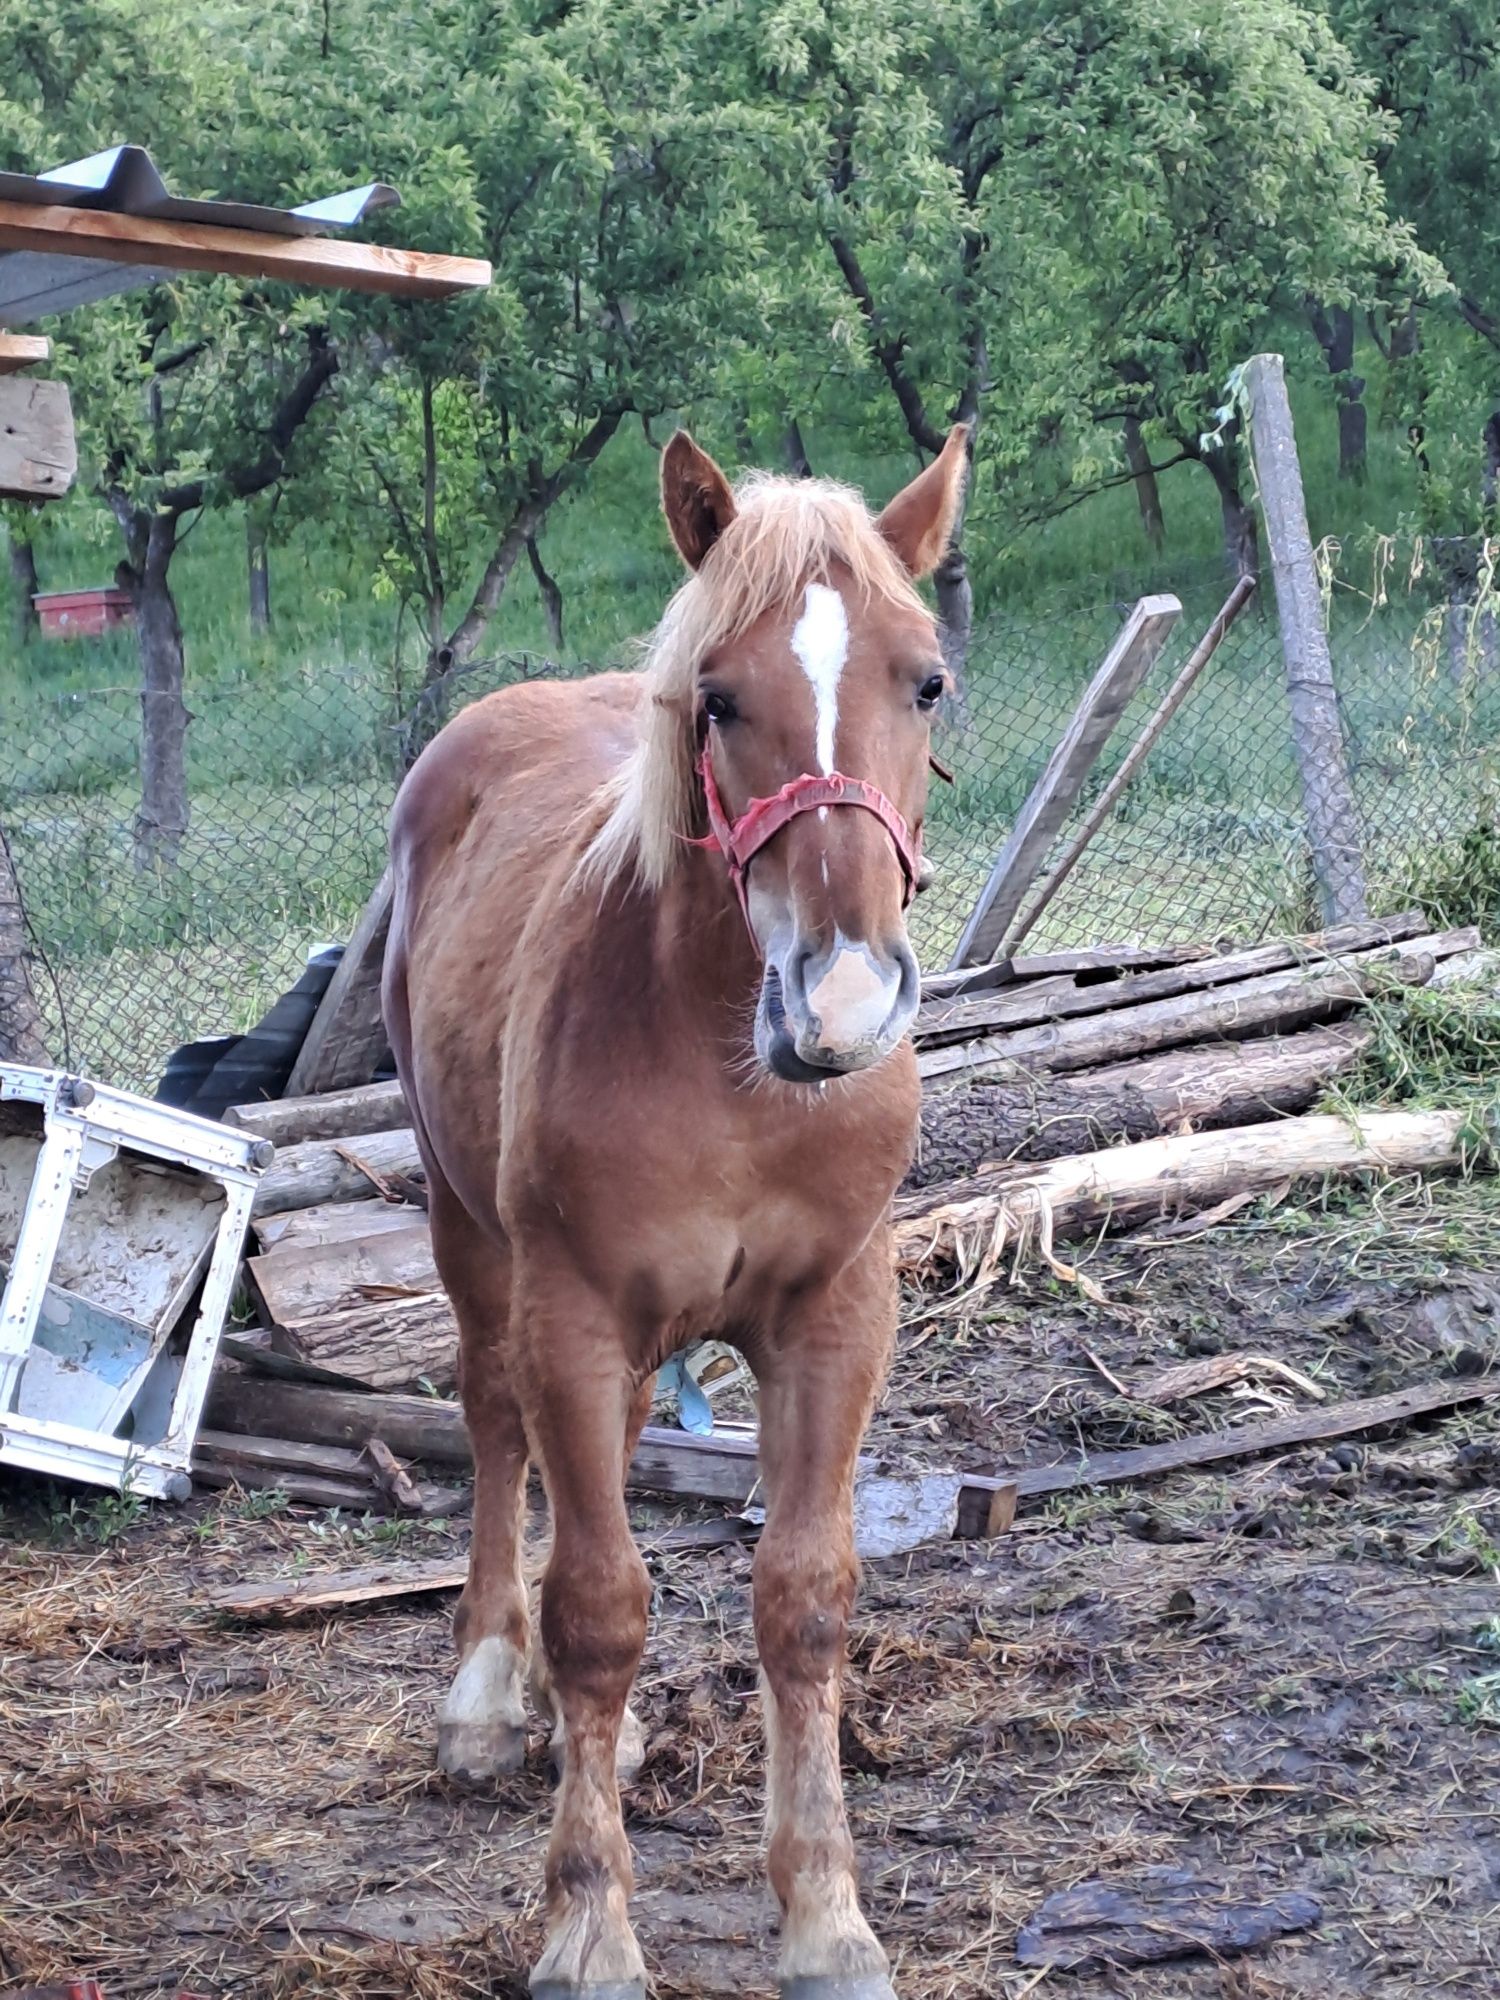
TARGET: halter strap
(740,840)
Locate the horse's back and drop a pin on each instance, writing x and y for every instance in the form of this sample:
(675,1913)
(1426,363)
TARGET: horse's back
(491,815)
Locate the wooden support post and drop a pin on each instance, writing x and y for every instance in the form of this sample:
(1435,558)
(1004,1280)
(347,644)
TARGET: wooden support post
(1125,666)
(21,1035)
(1327,797)
(1139,751)
(38,452)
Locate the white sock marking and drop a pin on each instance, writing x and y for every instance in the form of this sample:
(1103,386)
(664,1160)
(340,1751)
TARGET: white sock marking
(820,639)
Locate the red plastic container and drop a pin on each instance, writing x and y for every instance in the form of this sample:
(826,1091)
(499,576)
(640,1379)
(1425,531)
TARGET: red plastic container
(83,614)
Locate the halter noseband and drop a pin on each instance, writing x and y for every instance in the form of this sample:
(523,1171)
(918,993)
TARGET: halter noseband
(740,840)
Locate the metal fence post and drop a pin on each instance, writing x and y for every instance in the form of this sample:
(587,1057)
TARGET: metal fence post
(1333,830)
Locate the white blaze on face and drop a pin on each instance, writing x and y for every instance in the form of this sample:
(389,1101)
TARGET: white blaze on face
(820,639)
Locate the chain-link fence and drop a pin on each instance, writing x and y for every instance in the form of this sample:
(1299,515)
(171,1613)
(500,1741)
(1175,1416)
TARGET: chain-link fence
(291,772)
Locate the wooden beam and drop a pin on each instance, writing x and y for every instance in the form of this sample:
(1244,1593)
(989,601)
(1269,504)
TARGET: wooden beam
(333,1114)
(38,452)
(346,1039)
(1124,667)
(22,350)
(238,253)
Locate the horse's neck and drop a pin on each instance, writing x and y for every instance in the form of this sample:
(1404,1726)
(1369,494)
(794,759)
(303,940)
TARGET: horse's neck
(698,937)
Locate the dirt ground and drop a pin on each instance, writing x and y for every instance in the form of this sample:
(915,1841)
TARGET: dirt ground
(1280,1674)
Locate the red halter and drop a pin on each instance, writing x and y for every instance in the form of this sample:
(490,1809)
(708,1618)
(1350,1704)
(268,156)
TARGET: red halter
(740,840)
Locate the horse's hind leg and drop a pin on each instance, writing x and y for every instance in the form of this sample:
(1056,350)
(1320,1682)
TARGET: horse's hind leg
(818,1379)
(595,1596)
(482,1723)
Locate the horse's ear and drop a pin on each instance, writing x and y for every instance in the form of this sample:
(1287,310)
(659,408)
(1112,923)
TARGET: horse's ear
(918,523)
(695,498)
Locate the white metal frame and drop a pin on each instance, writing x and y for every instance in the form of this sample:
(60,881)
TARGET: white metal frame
(85,1125)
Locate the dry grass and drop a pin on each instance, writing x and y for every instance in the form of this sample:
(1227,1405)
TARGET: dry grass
(1266,1674)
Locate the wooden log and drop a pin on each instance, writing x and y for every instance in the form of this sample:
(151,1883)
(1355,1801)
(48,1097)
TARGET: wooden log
(335,1114)
(333,1222)
(318,1475)
(1137,754)
(346,1041)
(999,1120)
(38,449)
(1280,999)
(387,1343)
(1104,701)
(942,1021)
(420,1427)
(1316,1426)
(301,1282)
(306,1176)
(1085,1192)
(1317,734)
(289,1597)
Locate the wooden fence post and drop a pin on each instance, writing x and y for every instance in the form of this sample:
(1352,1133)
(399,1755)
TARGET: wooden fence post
(21,1035)
(1327,797)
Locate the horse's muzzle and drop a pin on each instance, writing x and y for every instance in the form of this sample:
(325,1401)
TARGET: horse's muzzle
(834,1011)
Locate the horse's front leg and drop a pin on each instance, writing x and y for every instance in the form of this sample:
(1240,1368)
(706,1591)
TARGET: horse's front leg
(819,1375)
(595,1596)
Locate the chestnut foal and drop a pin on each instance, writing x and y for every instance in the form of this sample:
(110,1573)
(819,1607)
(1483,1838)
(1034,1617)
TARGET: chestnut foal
(648,985)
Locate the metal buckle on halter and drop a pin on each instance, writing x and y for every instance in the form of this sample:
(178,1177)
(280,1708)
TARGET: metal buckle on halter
(740,840)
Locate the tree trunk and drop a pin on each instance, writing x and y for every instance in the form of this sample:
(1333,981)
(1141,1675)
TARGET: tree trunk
(552,597)
(794,451)
(21,1037)
(259,563)
(162,819)
(1147,493)
(1334,328)
(23,584)
(1241,530)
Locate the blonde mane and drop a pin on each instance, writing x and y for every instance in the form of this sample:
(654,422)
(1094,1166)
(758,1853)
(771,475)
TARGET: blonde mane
(786,533)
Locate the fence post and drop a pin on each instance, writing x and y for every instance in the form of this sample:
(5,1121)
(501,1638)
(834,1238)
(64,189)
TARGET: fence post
(1327,797)
(21,1036)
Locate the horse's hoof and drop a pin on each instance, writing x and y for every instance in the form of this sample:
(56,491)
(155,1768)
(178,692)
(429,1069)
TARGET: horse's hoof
(479,1750)
(837,1986)
(612,1989)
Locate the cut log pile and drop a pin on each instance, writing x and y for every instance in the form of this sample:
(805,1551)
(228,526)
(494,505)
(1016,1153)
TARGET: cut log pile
(1062,1094)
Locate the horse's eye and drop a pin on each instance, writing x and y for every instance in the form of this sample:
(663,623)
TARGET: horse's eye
(932,690)
(718,707)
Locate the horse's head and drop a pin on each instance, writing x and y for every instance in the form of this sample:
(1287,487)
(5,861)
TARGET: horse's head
(832,672)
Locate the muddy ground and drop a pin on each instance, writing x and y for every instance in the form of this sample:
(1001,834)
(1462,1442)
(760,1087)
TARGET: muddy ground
(1280,1674)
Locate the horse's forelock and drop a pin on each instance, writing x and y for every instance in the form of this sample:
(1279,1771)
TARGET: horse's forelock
(786,534)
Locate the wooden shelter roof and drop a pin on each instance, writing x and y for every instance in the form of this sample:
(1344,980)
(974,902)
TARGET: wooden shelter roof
(108,224)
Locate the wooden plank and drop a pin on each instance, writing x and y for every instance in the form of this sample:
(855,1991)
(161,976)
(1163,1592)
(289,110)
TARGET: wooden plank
(38,450)
(1124,667)
(298,1282)
(941,1021)
(1333,830)
(1285,999)
(238,253)
(22,350)
(346,1040)
(333,1114)
(316,1173)
(289,1597)
(1367,1413)
(1102,961)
